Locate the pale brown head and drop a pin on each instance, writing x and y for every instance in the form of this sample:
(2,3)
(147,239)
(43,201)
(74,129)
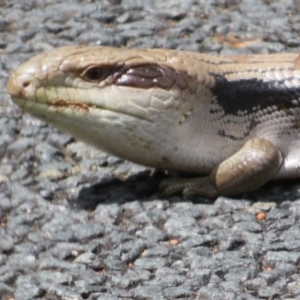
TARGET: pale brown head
(119,100)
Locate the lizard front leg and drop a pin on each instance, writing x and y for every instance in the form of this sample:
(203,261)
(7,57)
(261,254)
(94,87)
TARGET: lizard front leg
(253,165)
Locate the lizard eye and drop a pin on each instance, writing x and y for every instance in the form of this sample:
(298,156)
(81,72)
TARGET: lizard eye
(95,74)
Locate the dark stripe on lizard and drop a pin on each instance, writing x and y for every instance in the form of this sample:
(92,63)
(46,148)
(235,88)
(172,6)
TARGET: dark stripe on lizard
(252,94)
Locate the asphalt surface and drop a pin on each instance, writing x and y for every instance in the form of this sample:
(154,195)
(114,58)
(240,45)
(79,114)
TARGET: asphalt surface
(76,223)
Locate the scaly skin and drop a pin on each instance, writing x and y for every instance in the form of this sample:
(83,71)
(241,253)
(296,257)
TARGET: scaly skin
(235,119)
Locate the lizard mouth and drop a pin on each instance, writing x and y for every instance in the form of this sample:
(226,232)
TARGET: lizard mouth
(70,108)
(54,101)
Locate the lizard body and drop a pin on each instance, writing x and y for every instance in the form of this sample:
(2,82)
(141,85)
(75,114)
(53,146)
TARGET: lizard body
(234,119)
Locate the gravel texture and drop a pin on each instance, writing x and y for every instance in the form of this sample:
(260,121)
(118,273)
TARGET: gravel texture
(76,223)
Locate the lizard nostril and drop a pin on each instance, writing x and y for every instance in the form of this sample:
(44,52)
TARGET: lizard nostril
(26,84)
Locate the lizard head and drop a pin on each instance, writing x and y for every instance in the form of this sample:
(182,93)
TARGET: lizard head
(116,99)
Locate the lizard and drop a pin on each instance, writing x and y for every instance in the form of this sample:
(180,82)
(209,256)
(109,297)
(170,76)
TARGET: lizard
(234,121)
